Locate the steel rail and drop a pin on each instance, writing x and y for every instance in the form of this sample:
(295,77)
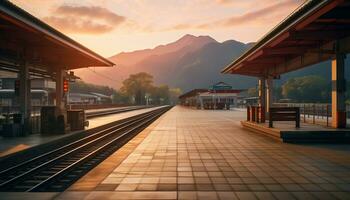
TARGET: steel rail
(114,111)
(90,155)
(82,140)
(95,139)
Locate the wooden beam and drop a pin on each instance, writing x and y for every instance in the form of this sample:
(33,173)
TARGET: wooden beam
(332,21)
(319,35)
(295,50)
(265,60)
(250,66)
(299,62)
(317,14)
(279,39)
(256,55)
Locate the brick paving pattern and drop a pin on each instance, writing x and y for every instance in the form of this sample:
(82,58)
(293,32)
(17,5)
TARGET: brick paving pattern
(194,154)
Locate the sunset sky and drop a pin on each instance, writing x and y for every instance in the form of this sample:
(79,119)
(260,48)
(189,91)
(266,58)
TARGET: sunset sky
(112,26)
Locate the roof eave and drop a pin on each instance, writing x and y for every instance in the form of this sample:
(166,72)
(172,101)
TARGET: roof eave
(272,35)
(24,17)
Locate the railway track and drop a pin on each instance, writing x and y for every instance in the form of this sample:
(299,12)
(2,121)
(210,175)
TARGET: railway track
(90,115)
(56,170)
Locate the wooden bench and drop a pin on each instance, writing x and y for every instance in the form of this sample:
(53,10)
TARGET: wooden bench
(284,114)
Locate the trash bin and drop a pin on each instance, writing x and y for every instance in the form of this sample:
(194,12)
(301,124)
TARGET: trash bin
(76,119)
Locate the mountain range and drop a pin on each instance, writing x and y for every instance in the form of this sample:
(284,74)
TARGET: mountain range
(188,63)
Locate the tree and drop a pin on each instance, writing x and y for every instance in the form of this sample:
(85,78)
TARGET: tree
(136,87)
(160,95)
(277,93)
(174,94)
(310,89)
(120,98)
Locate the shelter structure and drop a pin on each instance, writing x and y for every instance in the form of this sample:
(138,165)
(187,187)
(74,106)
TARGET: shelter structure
(31,49)
(317,31)
(218,96)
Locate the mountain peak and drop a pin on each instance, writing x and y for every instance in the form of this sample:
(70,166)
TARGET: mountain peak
(188,36)
(185,44)
(191,38)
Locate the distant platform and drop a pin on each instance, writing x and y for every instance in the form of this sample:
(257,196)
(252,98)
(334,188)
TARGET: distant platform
(307,133)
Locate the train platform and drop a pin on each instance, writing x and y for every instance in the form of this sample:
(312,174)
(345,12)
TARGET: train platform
(12,145)
(201,154)
(307,133)
(109,109)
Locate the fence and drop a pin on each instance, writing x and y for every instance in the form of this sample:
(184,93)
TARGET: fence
(316,113)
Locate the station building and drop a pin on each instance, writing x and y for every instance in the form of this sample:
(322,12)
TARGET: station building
(91,98)
(42,92)
(31,49)
(218,96)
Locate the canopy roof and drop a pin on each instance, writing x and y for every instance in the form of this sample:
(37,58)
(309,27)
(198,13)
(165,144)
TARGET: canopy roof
(24,38)
(313,33)
(196,92)
(192,93)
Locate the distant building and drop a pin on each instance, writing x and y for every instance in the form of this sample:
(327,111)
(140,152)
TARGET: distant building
(88,98)
(42,92)
(218,96)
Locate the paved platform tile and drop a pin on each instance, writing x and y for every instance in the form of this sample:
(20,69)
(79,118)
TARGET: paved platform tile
(194,154)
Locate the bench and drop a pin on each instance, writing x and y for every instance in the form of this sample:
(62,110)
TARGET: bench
(284,114)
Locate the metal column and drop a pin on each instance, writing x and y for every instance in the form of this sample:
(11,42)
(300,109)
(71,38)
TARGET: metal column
(262,98)
(338,92)
(269,96)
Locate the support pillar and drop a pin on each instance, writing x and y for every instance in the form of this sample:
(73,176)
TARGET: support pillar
(262,99)
(61,101)
(60,104)
(269,96)
(338,92)
(201,102)
(24,98)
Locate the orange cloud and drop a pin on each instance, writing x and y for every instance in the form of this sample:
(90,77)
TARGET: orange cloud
(84,19)
(263,15)
(224,1)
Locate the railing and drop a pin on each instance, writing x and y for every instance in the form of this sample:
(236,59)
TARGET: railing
(316,113)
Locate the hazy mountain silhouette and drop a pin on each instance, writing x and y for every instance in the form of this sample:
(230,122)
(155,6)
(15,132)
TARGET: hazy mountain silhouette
(190,62)
(189,41)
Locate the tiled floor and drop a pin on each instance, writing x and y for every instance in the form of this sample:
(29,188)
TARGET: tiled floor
(194,154)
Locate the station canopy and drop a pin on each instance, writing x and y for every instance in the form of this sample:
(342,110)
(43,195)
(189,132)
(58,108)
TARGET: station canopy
(192,93)
(315,32)
(24,38)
